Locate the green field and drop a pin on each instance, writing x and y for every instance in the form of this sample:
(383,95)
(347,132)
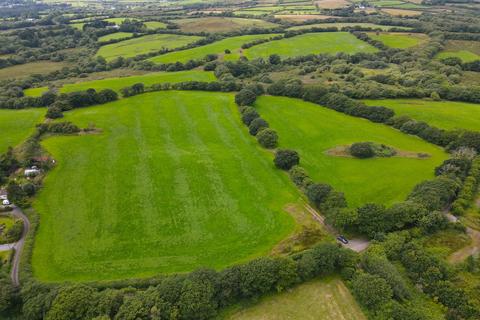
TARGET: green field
(321,299)
(155,25)
(78,25)
(17,125)
(147,79)
(35,92)
(143,45)
(464,55)
(28,69)
(448,115)
(313,130)
(217,47)
(399,40)
(324,42)
(340,25)
(173,182)
(115,36)
(220,24)
(467,51)
(117,21)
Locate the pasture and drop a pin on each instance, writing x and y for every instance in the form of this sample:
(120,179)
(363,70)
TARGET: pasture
(35,92)
(399,40)
(312,130)
(152,25)
(341,25)
(118,83)
(17,125)
(323,42)
(401,12)
(172,182)
(28,69)
(143,45)
(233,44)
(467,51)
(220,24)
(115,36)
(449,115)
(325,299)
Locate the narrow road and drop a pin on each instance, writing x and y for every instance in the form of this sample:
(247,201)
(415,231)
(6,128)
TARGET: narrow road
(357,244)
(17,246)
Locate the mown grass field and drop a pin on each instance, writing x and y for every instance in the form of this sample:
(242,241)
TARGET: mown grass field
(467,51)
(115,36)
(340,25)
(399,40)
(143,45)
(17,125)
(35,92)
(313,130)
(220,24)
(27,69)
(448,115)
(325,299)
(173,182)
(233,44)
(324,42)
(147,79)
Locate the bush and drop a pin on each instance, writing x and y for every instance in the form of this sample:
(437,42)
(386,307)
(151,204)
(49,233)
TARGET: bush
(299,176)
(268,138)
(371,291)
(286,159)
(54,112)
(318,192)
(245,97)
(362,150)
(256,125)
(248,115)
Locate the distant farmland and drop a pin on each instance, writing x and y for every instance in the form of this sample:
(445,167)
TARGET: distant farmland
(323,42)
(143,45)
(220,24)
(313,130)
(172,183)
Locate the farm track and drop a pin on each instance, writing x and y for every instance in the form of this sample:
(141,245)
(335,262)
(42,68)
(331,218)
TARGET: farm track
(471,249)
(17,246)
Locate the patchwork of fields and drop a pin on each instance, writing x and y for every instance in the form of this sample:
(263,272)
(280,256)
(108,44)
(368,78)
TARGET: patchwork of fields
(143,45)
(17,125)
(218,47)
(220,24)
(448,115)
(313,130)
(173,182)
(147,79)
(324,42)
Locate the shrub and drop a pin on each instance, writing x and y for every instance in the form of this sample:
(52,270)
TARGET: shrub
(54,112)
(245,97)
(248,115)
(318,192)
(362,150)
(256,125)
(371,291)
(268,138)
(299,176)
(286,159)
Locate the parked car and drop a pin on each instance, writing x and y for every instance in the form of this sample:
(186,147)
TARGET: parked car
(342,239)
(6,202)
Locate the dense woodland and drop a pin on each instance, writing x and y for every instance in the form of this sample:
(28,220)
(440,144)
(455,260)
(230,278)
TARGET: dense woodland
(397,277)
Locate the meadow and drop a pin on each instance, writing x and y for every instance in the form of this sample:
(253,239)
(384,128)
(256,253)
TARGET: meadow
(17,125)
(220,24)
(323,42)
(155,25)
(326,299)
(35,92)
(115,36)
(399,40)
(172,182)
(448,115)
(233,44)
(27,69)
(143,45)
(312,130)
(118,83)
(340,25)
(467,51)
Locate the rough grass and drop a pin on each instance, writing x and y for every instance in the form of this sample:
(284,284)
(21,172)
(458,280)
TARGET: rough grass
(173,182)
(115,36)
(28,69)
(340,25)
(155,25)
(312,130)
(402,12)
(220,24)
(399,40)
(218,47)
(147,79)
(448,115)
(143,45)
(35,92)
(467,51)
(17,125)
(325,299)
(323,42)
